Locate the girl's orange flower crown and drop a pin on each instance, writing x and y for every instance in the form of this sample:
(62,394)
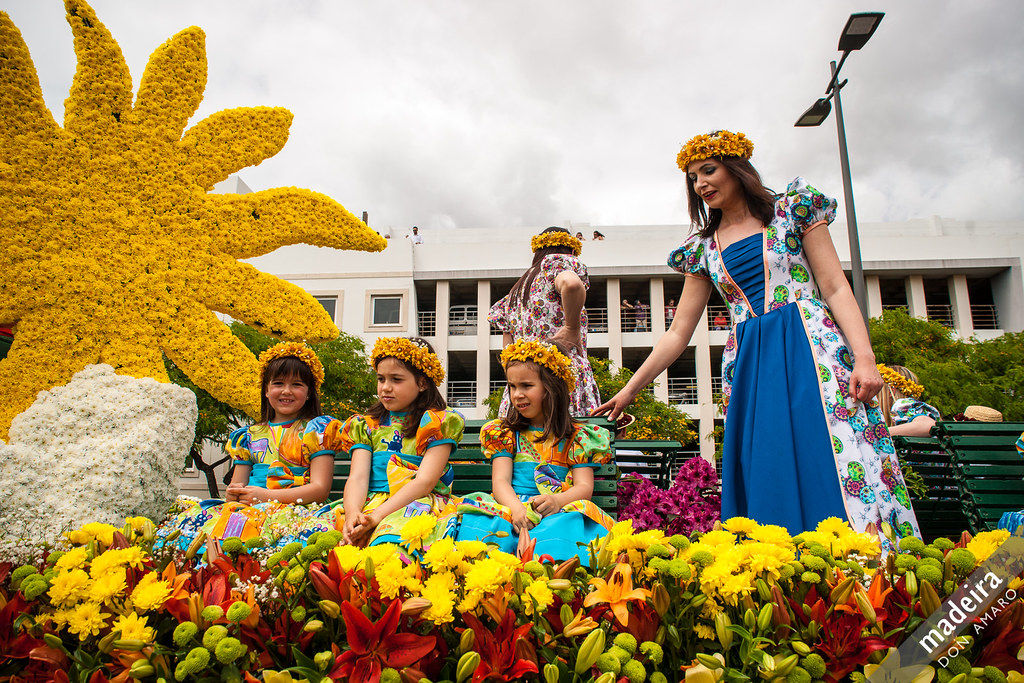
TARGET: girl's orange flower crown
(556,239)
(894,379)
(548,355)
(719,143)
(420,357)
(297,350)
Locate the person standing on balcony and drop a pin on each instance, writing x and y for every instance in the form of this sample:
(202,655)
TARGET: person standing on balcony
(803,441)
(547,303)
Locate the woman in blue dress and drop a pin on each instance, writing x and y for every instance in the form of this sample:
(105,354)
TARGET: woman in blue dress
(803,439)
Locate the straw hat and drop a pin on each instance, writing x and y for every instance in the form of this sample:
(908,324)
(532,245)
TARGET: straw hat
(983,414)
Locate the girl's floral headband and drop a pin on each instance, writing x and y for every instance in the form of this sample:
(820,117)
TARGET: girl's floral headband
(296,350)
(548,355)
(894,379)
(420,357)
(556,238)
(720,143)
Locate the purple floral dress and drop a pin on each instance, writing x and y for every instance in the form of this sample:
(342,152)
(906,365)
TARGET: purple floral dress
(541,318)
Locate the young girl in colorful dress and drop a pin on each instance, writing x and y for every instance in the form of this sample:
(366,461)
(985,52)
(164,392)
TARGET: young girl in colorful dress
(400,449)
(287,457)
(542,461)
(901,405)
(803,441)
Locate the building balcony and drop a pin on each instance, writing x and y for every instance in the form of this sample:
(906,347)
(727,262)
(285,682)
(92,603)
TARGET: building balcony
(462,394)
(682,390)
(984,317)
(940,313)
(427,323)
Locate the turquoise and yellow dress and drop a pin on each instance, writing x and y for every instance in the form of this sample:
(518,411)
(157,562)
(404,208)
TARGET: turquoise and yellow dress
(395,460)
(280,455)
(539,466)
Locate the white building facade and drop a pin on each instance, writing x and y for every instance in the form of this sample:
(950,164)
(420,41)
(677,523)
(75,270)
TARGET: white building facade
(965,274)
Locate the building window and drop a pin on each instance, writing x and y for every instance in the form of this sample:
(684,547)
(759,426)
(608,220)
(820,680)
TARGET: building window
(330,304)
(386,310)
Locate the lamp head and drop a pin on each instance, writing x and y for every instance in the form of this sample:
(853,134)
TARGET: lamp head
(858,30)
(817,113)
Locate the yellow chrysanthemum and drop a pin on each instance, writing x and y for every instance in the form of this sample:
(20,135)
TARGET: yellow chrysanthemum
(379,553)
(133,627)
(439,589)
(86,620)
(390,577)
(417,529)
(150,593)
(349,557)
(104,533)
(69,588)
(986,543)
(741,526)
(834,525)
(410,352)
(705,631)
(766,558)
(72,559)
(556,238)
(771,533)
(487,575)
(867,545)
(719,143)
(548,355)
(538,592)
(132,556)
(111,248)
(471,549)
(108,586)
(442,555)
(719,537)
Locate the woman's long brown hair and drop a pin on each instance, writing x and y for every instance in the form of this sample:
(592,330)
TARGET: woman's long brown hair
(428,399)
(521,289)
(760,200)
(558,422)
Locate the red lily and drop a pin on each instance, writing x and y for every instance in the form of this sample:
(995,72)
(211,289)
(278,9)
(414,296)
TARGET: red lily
(335,584)
(15,646)
(1003,638)
(374,646)
(500,658)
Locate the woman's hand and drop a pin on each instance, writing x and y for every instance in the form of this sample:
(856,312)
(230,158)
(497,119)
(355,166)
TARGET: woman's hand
(521,519)
(546,504)
(616,405)
(865,381)
(570,338)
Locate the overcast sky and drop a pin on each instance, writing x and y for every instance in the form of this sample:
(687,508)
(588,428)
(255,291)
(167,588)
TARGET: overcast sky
(482,114)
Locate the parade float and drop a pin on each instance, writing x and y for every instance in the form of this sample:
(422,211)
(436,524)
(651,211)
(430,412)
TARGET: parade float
(114,254)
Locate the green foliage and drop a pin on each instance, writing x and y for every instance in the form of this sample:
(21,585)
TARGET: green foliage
(955,374)
(654,419)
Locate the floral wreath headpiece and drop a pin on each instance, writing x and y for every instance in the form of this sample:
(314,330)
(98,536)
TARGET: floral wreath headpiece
(720,143)
(407,350)
(296,350)
(548,355)
(894,379)
(556,238)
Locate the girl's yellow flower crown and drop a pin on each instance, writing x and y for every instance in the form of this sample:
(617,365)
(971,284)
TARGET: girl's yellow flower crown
(556,238)
(297,350)
(420,357)
(548,355)
(720,143)
(894,379)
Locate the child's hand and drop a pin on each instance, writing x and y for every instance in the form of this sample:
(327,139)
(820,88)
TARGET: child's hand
(546,504)
(351,520)
(250,495)
(233,491)
(363,529)
(521,521)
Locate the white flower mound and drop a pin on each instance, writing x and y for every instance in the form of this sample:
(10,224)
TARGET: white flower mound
(98,449)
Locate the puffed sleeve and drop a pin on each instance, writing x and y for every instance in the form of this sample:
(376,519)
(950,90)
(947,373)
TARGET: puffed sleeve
(553,264)
(320,436)
(439,427)
(805,207)
(498,315)
(497,441)
(906,410)
(355,434)
(689,259)
(237,447)
(591,447)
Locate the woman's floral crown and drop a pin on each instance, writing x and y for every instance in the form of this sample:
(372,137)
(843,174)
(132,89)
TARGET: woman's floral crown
(894,379)
(407,350)
(296,350)
(556,238)
(720,143)
(548,355)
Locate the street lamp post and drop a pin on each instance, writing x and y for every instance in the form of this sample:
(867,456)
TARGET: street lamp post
(856,33)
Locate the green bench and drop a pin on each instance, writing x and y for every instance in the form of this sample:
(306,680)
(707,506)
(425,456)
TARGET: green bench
(988,469)
(940,512)
(473,472)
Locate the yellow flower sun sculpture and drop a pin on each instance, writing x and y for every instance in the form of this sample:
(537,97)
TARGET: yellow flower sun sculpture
(112,250)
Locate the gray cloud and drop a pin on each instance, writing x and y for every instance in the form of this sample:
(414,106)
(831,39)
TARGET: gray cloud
(481,113)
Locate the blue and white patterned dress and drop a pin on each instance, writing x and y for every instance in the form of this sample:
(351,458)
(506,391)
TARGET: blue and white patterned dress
(797,449)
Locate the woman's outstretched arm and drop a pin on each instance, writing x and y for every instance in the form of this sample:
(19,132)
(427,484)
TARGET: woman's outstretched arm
(696,292)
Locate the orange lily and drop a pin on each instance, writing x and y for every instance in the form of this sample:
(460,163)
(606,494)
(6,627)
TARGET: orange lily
(617,592)
(876,594)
